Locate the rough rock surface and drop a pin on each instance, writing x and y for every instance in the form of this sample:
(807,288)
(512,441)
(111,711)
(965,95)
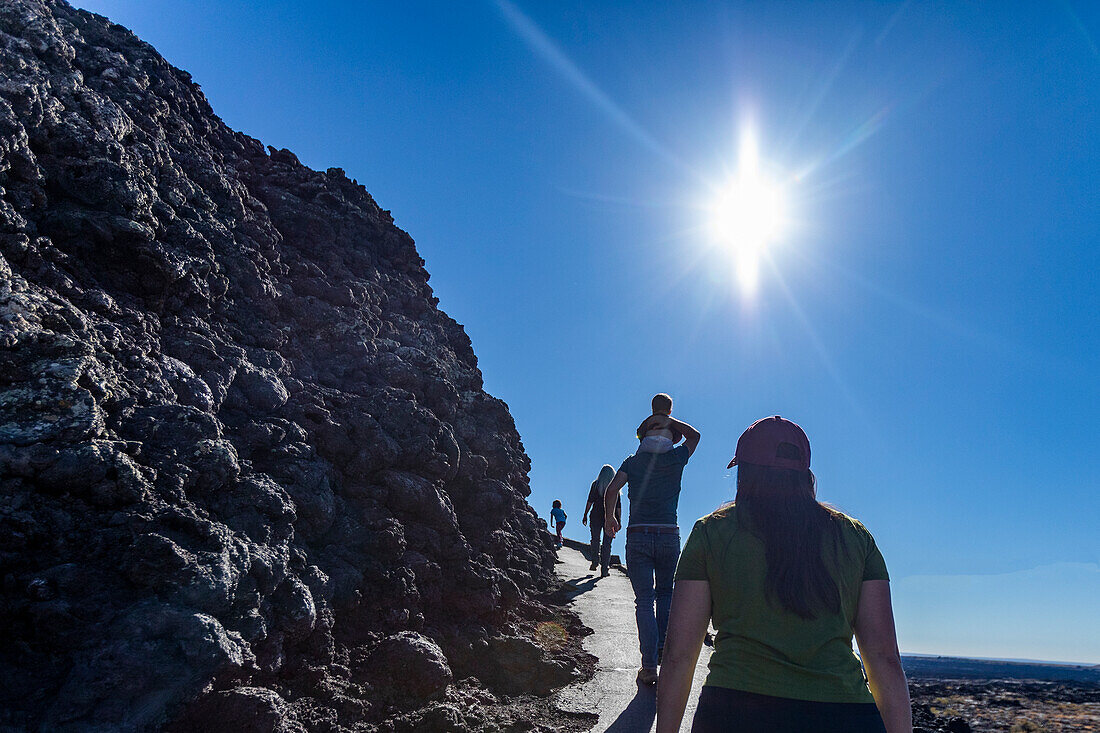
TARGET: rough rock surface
(249,478)
(946,705)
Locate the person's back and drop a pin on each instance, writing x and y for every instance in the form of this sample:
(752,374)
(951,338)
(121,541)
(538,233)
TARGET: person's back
(657,434)
(763,647)
(653,485)
(787,582)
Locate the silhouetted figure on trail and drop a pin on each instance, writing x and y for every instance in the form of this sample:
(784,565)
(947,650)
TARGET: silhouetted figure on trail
(558,517)
(788,581)
(600,557)
(652,535)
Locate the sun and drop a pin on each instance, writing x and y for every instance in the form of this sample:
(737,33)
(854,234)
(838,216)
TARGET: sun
(748,214)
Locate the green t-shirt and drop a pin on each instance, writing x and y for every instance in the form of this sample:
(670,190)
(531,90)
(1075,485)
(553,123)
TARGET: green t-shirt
(760,646)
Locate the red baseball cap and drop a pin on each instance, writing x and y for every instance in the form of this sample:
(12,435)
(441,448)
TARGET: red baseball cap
(762,444)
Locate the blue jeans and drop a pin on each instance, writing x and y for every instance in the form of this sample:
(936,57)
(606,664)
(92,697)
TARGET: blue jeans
(650,564)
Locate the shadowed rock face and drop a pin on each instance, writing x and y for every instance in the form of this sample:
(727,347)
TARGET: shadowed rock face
(248,471)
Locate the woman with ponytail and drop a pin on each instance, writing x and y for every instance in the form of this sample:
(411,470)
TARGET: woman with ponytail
(787,582)
(595,509)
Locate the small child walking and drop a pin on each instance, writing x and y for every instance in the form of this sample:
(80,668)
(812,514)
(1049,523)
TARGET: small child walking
(558,517)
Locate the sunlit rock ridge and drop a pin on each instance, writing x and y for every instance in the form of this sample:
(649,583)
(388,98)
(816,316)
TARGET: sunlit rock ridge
(249,478)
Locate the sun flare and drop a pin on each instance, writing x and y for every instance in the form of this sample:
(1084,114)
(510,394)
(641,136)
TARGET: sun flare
(748,213)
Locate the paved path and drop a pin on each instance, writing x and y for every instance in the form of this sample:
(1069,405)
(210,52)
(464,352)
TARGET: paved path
(607,606)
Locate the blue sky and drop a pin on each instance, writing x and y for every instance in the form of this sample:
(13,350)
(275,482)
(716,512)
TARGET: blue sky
(929,315)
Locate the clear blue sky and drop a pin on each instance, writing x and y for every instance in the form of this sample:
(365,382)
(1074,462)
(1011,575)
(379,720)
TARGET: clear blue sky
(930,316)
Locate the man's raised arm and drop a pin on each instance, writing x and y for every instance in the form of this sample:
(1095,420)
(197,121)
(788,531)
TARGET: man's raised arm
(691,435)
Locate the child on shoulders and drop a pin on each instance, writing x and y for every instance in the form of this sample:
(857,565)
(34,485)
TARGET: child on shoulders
(657,433)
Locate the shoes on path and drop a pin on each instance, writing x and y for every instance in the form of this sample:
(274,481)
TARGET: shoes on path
(593,566)
(709,639)
(647,676)
(604,573)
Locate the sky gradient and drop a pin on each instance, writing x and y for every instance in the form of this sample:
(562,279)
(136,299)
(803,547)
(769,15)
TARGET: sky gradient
(929,316)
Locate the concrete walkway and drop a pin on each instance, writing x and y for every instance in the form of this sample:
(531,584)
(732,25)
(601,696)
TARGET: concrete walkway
(607,606)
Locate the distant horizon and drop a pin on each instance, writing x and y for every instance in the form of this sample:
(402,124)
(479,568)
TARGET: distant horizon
(926,312)
(1047,662)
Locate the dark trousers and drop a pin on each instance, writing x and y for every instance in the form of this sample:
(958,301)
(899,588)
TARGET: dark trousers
(595,523)
(732,711)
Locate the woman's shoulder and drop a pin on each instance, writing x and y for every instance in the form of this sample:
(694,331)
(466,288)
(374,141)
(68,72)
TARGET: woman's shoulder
(719,517)
(849,524)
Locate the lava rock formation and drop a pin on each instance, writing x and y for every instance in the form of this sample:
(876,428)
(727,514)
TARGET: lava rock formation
(249,478)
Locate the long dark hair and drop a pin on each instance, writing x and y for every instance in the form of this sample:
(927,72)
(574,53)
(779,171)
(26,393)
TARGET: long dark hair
(780,506)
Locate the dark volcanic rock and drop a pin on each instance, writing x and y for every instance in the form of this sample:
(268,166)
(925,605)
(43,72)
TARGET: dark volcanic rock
(242,451)
(244,709)
(925,720)
(408,665)
(517,664)
(953,705)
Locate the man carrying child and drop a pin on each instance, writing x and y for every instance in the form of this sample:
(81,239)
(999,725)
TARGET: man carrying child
(653,476)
